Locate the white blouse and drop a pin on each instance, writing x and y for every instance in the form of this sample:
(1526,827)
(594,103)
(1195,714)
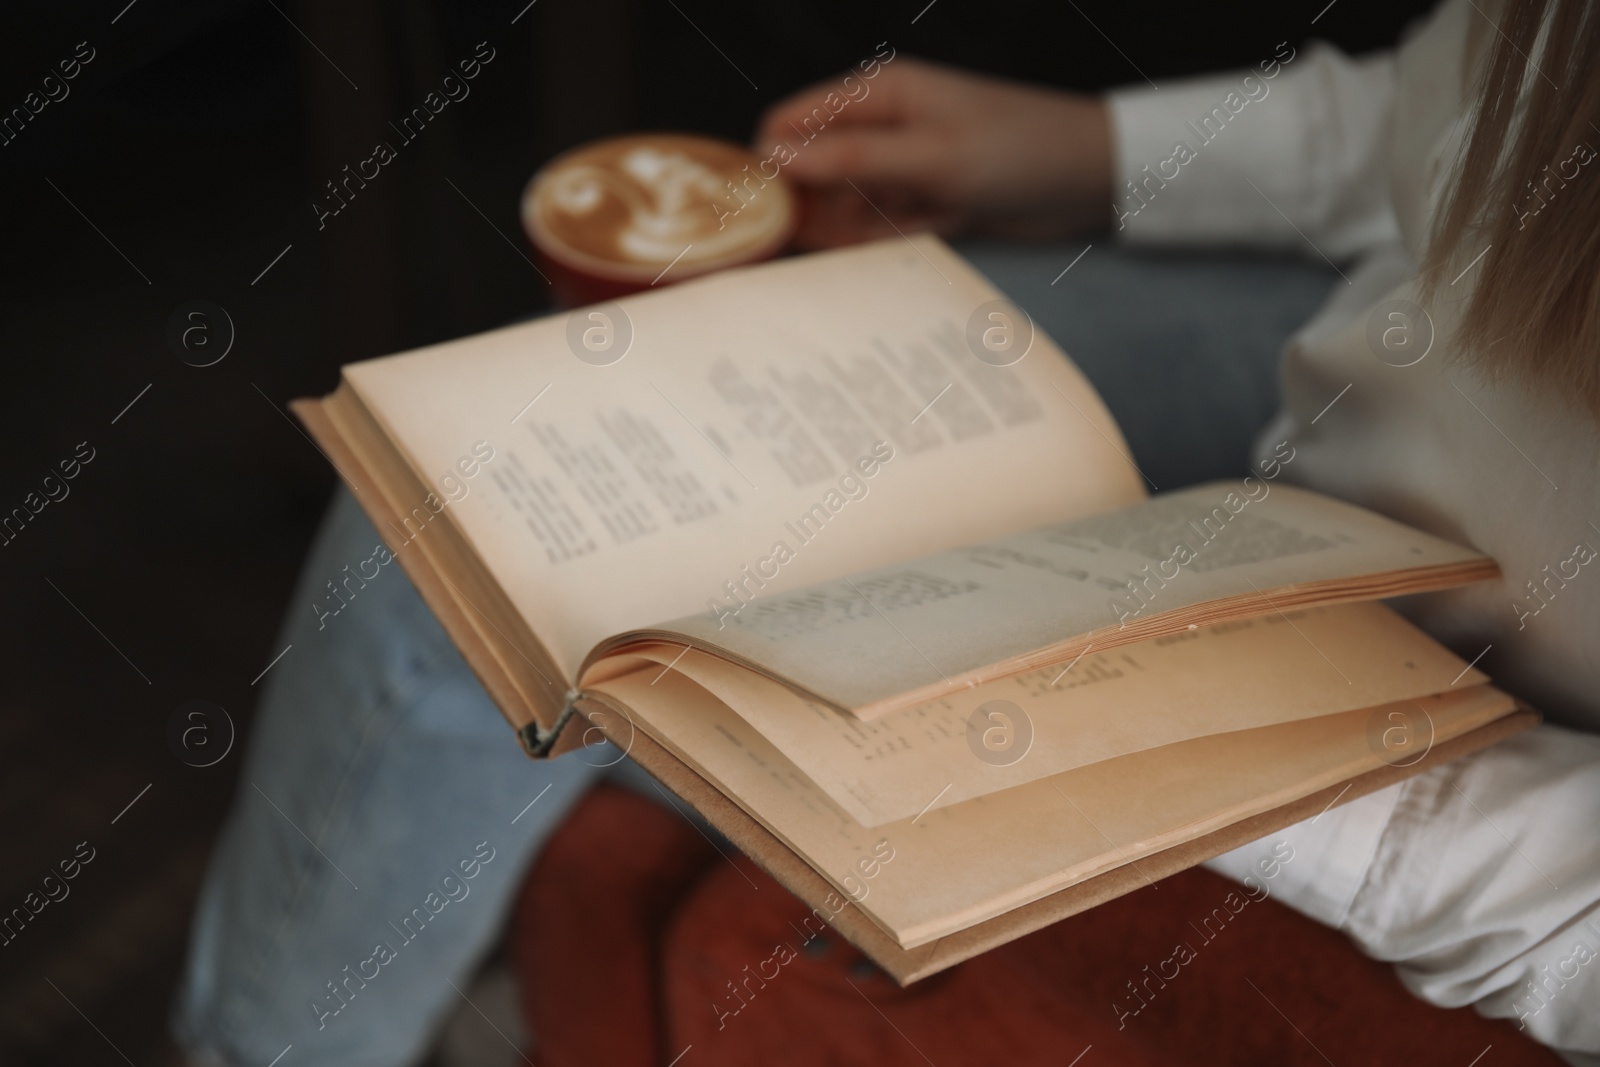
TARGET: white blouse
(1480,879)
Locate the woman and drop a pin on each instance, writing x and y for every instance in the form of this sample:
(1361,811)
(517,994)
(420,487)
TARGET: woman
(1451,380)
(378,762)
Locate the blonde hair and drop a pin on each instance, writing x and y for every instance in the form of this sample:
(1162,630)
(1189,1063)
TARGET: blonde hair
(1535,312)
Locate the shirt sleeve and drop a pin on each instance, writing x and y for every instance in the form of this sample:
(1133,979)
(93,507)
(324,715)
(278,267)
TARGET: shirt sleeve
(1479,880)
(1290,155)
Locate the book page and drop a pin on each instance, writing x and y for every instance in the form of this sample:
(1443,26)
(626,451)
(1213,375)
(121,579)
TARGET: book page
(921,629)
(1210,680)
(771,427)
(955,867)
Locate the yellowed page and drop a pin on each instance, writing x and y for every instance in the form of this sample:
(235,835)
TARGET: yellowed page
(918,629)
(954,867)
(1211,680)
(744,409)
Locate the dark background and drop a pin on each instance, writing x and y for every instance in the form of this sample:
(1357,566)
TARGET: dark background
(183,161)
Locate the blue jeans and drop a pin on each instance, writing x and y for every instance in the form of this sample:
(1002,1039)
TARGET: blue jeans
(383,822)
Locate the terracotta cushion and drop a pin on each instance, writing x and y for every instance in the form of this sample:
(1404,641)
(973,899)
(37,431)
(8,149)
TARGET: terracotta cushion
(587,928)
(635,940)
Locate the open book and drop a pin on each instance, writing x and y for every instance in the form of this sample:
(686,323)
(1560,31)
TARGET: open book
(902,622)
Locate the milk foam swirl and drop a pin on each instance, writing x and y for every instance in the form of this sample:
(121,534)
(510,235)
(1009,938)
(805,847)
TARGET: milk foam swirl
(641,201)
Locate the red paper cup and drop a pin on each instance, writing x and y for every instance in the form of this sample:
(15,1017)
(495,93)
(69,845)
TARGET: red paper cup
(630,213)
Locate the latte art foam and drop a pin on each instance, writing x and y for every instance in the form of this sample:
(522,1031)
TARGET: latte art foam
(633,204)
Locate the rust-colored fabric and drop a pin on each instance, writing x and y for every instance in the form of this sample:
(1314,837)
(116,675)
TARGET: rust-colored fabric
(588,925)
(734,969)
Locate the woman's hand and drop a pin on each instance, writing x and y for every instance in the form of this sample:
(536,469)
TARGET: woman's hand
(934,148)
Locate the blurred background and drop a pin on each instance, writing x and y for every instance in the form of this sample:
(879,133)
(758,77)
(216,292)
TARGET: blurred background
(181,166)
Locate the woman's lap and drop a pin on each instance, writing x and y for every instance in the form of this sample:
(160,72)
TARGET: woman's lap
(378,765)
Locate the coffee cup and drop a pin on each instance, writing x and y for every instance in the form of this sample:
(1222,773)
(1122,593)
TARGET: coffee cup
(643,210)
